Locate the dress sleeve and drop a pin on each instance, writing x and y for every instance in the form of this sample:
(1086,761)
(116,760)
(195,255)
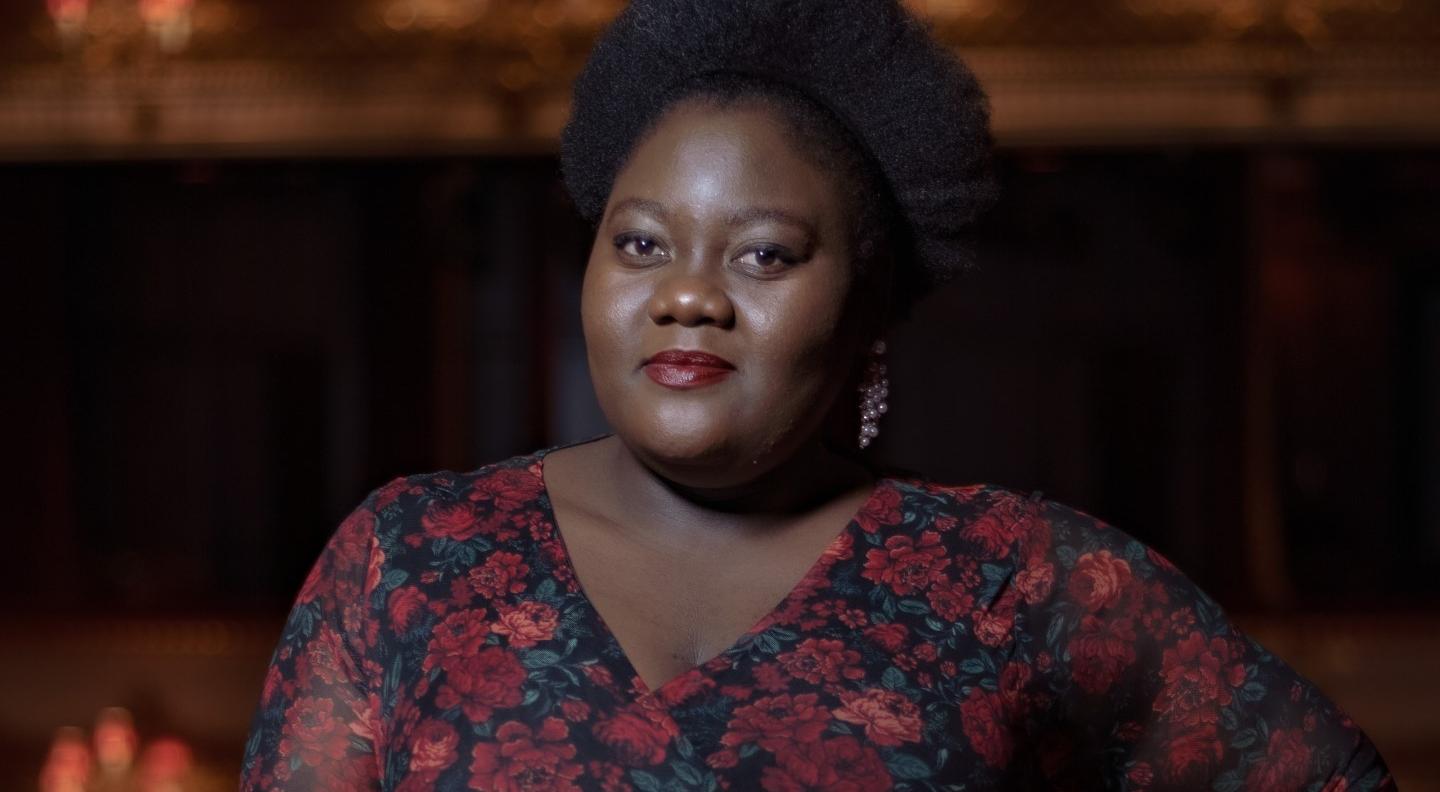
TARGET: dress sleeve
(1143,682)
(315,725)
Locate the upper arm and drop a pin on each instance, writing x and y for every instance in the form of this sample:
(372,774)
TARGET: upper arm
(1154,687)
(315,725)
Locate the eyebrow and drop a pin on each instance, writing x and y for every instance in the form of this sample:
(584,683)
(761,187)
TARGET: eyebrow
(652,208)
(754,214)
(760,214)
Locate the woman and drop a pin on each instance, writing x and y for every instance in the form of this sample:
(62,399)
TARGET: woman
(721,594)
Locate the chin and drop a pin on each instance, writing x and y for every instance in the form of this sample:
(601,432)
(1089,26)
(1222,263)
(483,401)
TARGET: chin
(717,457)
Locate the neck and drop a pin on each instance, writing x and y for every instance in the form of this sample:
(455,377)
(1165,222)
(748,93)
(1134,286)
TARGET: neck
(807,480)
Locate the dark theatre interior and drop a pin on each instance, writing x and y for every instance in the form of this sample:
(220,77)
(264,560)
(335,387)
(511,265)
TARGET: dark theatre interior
(261,257)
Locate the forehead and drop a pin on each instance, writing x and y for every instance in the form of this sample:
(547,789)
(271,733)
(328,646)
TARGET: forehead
(703,156)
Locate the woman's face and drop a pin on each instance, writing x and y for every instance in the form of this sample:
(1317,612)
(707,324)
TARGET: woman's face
(717,304)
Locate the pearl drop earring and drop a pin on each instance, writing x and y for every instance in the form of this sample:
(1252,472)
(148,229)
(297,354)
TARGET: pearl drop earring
(874,389)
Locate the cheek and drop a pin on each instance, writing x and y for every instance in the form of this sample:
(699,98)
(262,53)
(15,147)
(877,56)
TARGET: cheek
(608,310)
(805,340)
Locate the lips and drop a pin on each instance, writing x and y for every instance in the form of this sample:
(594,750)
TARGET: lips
(682,369)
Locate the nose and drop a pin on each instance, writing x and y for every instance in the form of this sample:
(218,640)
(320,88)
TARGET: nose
(691,300)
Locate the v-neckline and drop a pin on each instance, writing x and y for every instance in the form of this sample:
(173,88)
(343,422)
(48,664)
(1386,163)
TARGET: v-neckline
(818,570)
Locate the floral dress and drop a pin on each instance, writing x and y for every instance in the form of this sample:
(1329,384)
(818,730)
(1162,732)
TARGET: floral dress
(948,638)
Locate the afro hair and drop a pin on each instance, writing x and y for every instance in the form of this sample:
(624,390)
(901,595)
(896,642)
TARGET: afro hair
(916,111)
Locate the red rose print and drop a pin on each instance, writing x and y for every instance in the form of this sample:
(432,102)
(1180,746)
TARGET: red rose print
(685,687)
(842,764)
(841,549)
(324,658)
(890,636)
(461,592)
(889,718)
(1140,775)
(273,683)
(1098,580)
(482,683)
(818,660)
(458,637)
(521,760)
(389,493)
(777,721)
(313,732)
(405,602)
(433,746)
(574,710)
(426,674)
(723,758)
(769,678)
(904,566)
(638,736)
(951,601)
(360,630)
(1190,754)
(600,675)
(837,765)
(984,721)
(993,627)
(526,624)
(451,520)
(854,618)
(1100,652)
(353,540)
(1195,689)
(883,509)
(508,489)
(737,692)
(317,579)
(1285,766)
(993,532)
(610,776)
(1014,686)
(501,574)
(1035,582)
(350,772)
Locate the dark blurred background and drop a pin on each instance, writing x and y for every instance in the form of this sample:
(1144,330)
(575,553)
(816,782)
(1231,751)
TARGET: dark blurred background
(262,256)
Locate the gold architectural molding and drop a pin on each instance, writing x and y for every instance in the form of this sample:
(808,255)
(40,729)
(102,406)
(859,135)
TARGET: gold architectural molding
(377,81)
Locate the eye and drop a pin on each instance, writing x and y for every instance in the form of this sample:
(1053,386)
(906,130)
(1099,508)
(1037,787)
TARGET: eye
(767,259)
(638,246)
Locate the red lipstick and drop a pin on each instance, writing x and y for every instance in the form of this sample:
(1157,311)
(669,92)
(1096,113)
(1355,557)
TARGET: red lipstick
(682,369)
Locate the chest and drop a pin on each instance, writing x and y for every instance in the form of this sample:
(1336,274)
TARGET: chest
(672,606)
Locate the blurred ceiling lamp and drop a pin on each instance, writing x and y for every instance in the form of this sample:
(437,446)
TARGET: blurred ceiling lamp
(169,22)
(1235,17)
(164,766)
(68,767)
(956,10)
(69,16)
(115,741)
(433,14)
(106,25)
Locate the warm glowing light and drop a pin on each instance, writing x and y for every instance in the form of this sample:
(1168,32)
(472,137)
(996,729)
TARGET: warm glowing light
(432,14)
(168,21)
(68,767)
(946,10)
(1233,17)
(115,740)
(164,766)
(69,16)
